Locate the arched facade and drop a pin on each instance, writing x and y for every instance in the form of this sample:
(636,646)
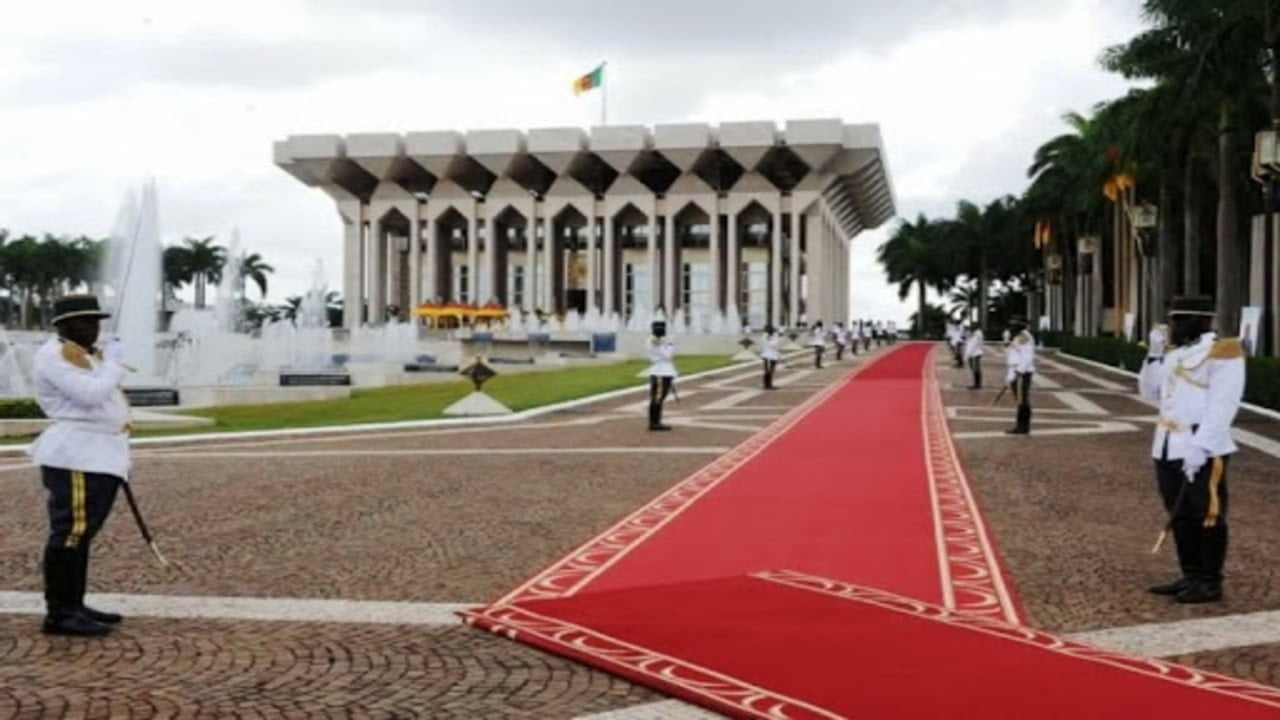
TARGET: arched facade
(743,220)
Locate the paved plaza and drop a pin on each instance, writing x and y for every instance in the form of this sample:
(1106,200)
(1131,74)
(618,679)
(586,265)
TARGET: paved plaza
(320,576)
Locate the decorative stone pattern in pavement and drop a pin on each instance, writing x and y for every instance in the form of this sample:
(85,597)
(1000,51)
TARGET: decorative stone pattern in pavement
(207,669)
(1260,663)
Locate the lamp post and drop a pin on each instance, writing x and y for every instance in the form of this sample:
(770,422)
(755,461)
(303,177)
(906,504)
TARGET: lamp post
(1145,218)
(1266,162)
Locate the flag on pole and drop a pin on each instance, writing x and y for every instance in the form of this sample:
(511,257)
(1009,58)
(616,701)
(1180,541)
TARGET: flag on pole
(590,81)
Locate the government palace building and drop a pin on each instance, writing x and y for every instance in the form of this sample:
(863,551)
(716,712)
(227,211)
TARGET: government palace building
(747,221)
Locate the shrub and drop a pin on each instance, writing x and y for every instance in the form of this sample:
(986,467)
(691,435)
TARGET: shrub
(1262,376)
(19,409)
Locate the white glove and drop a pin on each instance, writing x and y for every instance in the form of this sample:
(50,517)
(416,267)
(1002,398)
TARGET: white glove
(1195,459)
(1009,377)
(113,352)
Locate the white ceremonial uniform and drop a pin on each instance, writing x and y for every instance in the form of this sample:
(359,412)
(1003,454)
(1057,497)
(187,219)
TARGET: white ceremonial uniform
(769,347)
(662,354)
(974,346)
(1020,356)
(81,394)
(841,336)
(1199,388)
(818,337)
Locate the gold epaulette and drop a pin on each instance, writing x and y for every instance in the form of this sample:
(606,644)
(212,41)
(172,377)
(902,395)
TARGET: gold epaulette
(76,355)
(1227,349)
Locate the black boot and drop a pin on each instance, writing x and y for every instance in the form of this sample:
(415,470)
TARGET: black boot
(1170,588)
(655,418)
(107,618)
(1200,592)
(61,579)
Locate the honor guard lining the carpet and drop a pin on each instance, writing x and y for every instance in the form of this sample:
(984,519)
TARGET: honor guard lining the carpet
(818,339)
(1020,361)
(841,339)
(770,354)
(973,350)
(1199,385)
(662,373)
(83,456)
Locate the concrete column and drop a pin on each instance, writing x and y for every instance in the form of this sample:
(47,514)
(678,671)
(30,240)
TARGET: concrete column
(731,269)
(415,263)
(716,303)
(392,271)
(655,272)
(549,241)
(492,233)
(593,274)
(432,272)
(813,257)
(775,271)
(609,265)
(352,263)
(377,275)
(473,258)
(531,262)
(669,266)
(793,315)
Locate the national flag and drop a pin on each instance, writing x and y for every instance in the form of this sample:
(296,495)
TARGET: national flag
(590,81)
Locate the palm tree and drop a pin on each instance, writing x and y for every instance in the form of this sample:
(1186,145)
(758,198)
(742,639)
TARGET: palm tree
(910,258)
(980,238)
(965,300)
(176,262)
(1213,55)
(206,263)
(292,306)
(253,267)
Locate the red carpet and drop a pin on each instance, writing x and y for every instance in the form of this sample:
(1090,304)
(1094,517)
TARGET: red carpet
(859,484)
(794,646)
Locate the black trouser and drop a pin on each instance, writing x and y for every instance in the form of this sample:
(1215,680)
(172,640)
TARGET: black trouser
(1021,387)
(975,366)
(1201,549)
(78,506)
(839,351)
(853,346)
(659,388)
(769,367)
(817,356)
(959,356)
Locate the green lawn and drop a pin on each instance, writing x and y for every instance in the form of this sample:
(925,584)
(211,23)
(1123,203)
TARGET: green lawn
(424,402)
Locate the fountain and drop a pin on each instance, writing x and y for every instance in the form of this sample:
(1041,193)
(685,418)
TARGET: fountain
(15,366)
(131,278)
(310,359)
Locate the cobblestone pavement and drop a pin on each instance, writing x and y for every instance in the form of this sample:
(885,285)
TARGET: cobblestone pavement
(1075,515)
(452,515)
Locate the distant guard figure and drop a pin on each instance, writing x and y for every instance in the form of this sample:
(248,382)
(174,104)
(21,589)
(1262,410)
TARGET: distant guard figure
(770,354)
(955,340)
(1199,385)
(662,373)
(841,339)
(973,351)
(1157,342)
(1020,358)
(855,336)
(83,456)
(893,332)
(818,340)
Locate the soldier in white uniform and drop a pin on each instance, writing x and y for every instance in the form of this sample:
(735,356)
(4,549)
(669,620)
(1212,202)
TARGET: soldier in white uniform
(83,456)
(1157,341)
(973,351)
(1199,385)
(770,354)
(841,339)
(893,332)
(818,341)
(662,373)
(1020,361)
(955,338)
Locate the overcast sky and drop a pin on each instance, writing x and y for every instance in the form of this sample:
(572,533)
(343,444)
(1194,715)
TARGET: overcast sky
(98,96)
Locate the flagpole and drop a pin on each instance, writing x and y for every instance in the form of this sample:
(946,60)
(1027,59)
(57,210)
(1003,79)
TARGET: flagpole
(604,96)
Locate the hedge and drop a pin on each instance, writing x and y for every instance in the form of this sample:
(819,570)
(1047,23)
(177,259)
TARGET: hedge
(1262,378)
(19,409)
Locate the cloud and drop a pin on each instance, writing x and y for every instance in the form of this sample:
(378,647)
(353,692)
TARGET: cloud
(194,94)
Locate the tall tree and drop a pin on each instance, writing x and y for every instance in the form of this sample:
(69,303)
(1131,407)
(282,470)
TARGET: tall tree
(254,268)
(206,262)
(911,259)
